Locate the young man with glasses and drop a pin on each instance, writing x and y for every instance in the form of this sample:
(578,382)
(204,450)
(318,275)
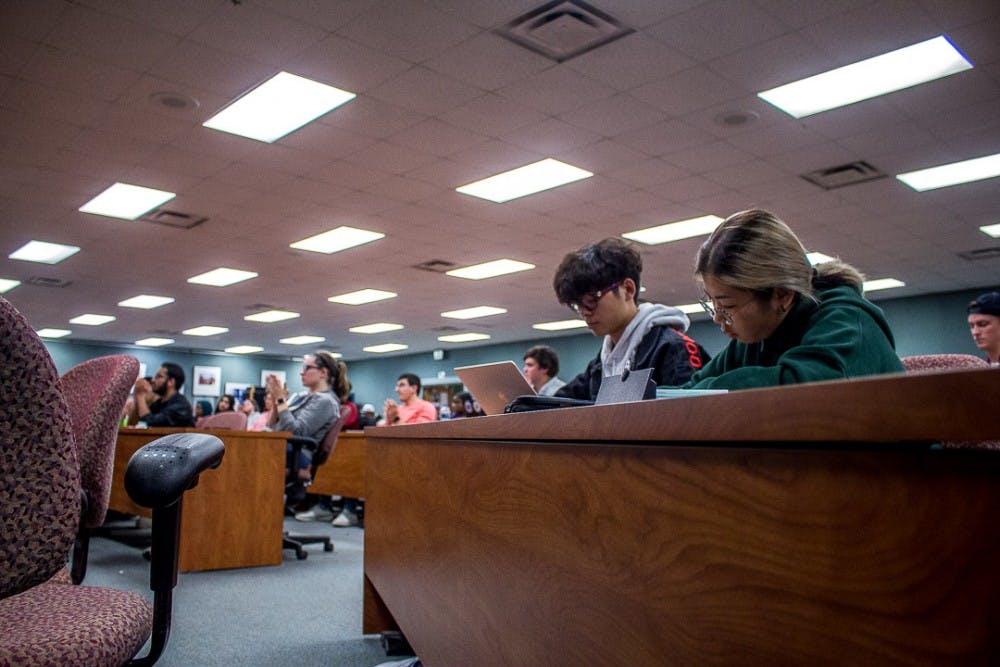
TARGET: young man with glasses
(600,282)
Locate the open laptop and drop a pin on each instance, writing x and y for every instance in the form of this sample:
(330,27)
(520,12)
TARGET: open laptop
(494,385)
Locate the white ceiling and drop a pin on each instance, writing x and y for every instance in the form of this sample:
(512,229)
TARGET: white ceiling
(442,100)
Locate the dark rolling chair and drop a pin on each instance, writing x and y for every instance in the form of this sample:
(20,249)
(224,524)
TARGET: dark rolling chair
(321,452)
(45,622)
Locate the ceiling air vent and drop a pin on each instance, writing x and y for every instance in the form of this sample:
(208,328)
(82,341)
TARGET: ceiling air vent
(39,281)
(174,219)
(435,266)
(843,175)
(982,253)
(564,29)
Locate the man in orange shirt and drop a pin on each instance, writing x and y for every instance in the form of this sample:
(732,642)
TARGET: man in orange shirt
(411,409)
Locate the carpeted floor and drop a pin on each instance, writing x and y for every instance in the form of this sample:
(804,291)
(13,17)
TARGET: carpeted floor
(298,613)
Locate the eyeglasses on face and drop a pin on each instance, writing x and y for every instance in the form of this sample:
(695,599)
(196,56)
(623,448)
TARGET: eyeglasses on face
(726,313)
(306,367)
(589,301)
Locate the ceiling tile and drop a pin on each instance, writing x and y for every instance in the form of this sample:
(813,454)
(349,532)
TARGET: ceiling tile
(734,26)
(556,90)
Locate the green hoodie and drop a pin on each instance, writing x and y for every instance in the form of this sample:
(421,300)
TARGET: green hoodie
(842,336)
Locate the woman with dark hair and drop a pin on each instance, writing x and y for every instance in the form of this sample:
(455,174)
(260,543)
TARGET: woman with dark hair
(202,408)
(788,322)
(227,403)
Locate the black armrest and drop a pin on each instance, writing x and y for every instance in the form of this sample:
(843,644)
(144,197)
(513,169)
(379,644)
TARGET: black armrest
(161,471)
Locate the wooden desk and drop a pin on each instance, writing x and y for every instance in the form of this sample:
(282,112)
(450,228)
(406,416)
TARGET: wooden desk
(795,525)
(233,518)
(344,472)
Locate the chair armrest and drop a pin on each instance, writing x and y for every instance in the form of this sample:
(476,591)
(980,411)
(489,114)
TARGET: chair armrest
(161,471)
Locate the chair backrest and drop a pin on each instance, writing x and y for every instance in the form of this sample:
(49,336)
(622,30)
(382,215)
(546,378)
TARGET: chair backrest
(96,391)
(233,421)
(329,441)
(39,474)
(925,363)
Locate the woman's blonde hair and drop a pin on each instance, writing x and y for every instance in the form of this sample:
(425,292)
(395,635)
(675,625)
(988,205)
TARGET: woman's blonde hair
(755,250)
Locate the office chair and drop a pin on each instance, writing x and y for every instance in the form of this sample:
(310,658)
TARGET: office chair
(931,363)
(233,421)
(95,393)
(321,453)
(44,622)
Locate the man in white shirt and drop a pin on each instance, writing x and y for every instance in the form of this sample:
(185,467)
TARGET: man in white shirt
(541,366)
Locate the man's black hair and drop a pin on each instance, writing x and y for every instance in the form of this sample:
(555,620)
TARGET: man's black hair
(596,266)
(411,380)
(174,371)
(546,358)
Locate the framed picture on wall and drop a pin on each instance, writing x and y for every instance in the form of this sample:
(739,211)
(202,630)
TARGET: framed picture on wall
(278,374)
(207,381)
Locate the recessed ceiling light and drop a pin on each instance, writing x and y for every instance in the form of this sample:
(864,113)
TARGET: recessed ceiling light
(337,239)
(529,179)
(463,337)
(559,325)
(154,342)
(205,330)
(362,296)
(7,284)
(243,349)
(222,277)
(92,319)
(385,347)
(302,340)
(674,231)
(691,309)
(882,283)
(377,327)
(955,173)
(272,316)
(280,105)
(889,72)
(498,267)
(818,258)
(53,333)
(989,230)
(476,311)
(146,301)
(44,252)
(126,201)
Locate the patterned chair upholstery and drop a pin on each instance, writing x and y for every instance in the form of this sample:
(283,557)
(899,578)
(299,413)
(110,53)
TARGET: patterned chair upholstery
(935,363)
(48,623)
(96,391)
(233,421)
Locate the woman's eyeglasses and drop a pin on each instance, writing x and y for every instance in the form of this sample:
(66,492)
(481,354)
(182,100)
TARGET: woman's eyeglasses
(589,301)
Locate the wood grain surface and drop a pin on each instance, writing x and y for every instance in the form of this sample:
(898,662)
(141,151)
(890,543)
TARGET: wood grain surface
(343,473)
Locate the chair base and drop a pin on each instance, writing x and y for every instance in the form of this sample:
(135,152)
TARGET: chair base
(298,542)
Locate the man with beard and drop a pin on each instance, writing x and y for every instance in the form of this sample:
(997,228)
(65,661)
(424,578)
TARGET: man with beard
(169,408)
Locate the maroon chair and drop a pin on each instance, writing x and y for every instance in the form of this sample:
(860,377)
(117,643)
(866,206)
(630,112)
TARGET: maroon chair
(233,421)
(48,623)
(95,392)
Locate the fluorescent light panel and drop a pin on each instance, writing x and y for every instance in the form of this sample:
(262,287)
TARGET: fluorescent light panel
(498,267)
(146,301)
(529,179)
(887,73)
(476,311)
(222,277)
(385,347)
(7,284)
(154,342)
(955,173)
(818,258)
(559,325)
(92,319)
(377,327)
(44,252)
(272,316)
(280,105)
(463,337)
(127,202)
(675,231)
(53,333)
(362,296)
(243,349)
(335,240)
(205,330)
(989,230)
(301,340)
(882,283)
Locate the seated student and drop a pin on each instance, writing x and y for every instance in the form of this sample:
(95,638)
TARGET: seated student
(461,405)
(984,323)
(170,407)
(601,283)
(541,366)
(788,322)
(368,416)
(226,404)
(411,409)
(260,422)
(202,408)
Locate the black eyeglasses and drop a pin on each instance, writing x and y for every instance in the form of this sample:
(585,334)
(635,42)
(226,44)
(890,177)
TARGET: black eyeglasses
(589,301)
(306,367)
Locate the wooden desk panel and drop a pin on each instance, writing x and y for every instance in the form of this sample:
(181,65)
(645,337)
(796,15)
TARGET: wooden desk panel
(496,549)
(344,472)
(233,518)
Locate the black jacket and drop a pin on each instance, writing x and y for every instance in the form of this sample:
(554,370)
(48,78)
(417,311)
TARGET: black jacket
(174,412)
(672,355)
